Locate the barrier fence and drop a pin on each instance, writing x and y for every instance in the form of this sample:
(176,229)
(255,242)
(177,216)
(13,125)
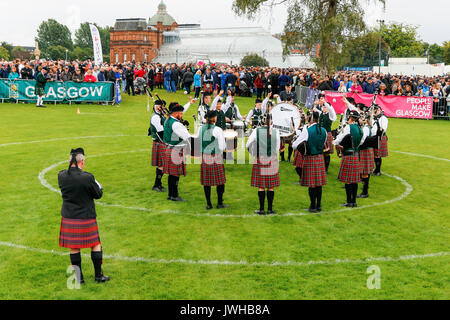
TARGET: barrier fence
(57,91)
(393,106)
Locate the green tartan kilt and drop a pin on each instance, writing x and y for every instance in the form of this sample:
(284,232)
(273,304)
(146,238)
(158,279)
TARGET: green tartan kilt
(39,91)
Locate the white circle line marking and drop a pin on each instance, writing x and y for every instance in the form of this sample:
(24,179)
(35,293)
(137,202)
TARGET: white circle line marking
(44,182)
(422,155)
(241,262)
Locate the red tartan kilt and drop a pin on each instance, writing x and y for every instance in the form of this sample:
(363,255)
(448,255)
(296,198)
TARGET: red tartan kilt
(212,171)
(282,145)
(350,171)
(208,88)
(366,161)
(174,162)
(158,151)
(383,151)
(313,173)
(298,159)
(265,173)
(329,143)
(78,233)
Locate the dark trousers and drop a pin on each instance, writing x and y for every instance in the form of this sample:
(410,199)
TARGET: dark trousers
(129,88)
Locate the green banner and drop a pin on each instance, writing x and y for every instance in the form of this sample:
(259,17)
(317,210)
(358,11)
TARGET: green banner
(58,91)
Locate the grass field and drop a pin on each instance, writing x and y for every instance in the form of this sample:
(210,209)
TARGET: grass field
(170,250)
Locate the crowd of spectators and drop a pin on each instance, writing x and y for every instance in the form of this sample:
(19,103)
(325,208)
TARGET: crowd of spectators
(245,81)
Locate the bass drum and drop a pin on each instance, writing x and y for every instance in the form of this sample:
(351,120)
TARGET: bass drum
(286,119)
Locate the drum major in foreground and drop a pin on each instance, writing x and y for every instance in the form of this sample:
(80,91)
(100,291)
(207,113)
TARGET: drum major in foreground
(79,228)
(314,175)
(350,171)
(176,137)
(263,144)
(212,172)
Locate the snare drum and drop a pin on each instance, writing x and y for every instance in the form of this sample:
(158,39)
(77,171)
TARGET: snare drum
(231,140)
(196,151)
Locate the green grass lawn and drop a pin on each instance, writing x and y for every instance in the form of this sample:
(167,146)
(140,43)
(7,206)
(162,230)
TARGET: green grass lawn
(30,215)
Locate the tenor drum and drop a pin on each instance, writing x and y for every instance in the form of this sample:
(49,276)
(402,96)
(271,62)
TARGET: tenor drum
(238,126)
(231,140)
(286,119)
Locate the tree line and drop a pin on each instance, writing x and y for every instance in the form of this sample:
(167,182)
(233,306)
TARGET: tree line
(345,40)
(56,42)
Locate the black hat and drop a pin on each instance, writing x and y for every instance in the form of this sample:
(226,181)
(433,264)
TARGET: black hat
(77,151)
(211,114)
(354,114)
(160,103)
(74,153)
(258,101)
(175,107)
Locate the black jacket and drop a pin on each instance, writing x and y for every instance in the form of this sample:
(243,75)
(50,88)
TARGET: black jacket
(27,73)
(286,96)
(78,190)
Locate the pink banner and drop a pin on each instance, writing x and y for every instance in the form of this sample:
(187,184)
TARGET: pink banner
(393,106)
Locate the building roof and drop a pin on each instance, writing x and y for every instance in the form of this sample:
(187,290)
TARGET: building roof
(227,45)
(130,24)
(161,16)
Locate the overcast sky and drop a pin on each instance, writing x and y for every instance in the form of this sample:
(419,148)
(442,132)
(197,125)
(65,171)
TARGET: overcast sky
(19,23)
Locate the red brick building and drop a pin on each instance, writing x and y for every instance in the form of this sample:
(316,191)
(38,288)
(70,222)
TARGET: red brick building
(136,40)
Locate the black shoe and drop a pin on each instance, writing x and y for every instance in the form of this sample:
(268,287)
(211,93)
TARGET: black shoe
(178,199)
(169,198)
(362,195)
(260,212)
(102,278)
(41,106)
(376,174)
(348,205)
(157,189)
(209,207)
(271,212)
(319,209)
(162,189)
(221,206)
(354,205)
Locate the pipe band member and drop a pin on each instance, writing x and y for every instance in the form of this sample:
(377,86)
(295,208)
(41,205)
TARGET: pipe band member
(314,175)
(204,107)
(256,115)
(39,89)
(231,109)
(379,128)
(79,228)
(212,171)
(264,144)
(350,172)
(217,105)
(327,117)
(176,137)
(366,156)
(156,131)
